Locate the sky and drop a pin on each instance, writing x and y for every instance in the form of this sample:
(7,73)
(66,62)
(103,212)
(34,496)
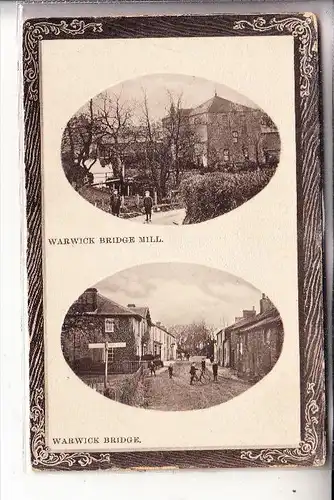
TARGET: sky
(194,91)
(179,293)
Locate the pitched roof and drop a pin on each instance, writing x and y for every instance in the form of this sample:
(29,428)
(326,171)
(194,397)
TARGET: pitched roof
(164,329)
(270,140)
(108,306)
(267,317)
(218,105)
(185,111)
(141,311)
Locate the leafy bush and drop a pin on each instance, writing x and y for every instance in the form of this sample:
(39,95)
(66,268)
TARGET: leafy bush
(210,195)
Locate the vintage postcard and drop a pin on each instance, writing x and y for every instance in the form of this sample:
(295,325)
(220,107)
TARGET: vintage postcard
(174,250)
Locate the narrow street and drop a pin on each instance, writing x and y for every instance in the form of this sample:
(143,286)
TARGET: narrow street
(171,217)
(163,393)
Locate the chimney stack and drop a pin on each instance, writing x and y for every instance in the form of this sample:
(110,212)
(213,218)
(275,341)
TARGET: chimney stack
(90,299)
(265,304)
(131,305)
(249,313)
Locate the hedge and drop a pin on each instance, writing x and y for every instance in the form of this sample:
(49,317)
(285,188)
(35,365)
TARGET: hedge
(213,194)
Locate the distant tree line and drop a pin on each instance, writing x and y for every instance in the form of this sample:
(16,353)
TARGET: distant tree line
(193,338)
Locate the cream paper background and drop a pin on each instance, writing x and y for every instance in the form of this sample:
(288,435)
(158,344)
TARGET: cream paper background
(257,241)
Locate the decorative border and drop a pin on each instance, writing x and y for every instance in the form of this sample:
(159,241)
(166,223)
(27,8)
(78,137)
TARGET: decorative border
(303,29)
(298,28)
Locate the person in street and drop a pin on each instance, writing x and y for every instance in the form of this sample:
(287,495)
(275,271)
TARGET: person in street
(212,359)
(203,366)
(148,205)
(215,370)
(152,368)
(192,372)
(115,203)
(170,371)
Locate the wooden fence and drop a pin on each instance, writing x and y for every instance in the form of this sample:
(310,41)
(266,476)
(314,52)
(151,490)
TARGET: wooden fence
(124,390)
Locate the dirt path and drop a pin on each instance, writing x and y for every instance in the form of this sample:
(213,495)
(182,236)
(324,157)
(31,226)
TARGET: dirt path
(171,217)
(162,393)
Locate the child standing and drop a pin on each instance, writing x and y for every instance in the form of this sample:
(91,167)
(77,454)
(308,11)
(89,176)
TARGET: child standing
(192,372)
(170,371)
(148,205)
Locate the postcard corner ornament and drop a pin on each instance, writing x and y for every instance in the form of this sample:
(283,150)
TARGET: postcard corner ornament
(305,452)
(300,28)
(34,32)
(43,457)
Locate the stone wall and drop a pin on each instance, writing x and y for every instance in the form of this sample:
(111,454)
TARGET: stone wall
(79,331)
(254,353)
(246,125)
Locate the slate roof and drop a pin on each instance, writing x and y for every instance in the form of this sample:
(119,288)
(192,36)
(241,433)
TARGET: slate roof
(185,111)
(141,311)
(109,307)
(270,141)
(164,329)
(218,105)
(271,316)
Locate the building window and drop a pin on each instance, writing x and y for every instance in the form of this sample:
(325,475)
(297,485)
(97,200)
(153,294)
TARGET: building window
(226,155)
(109,325)
(235,136)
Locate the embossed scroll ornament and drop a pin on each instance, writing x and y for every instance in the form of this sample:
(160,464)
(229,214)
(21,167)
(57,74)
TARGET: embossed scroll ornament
(35,32)
(298,28)
(42,456)
(306,448)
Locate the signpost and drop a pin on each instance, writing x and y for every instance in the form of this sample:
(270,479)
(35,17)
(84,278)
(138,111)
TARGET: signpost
(106,355)
(106,346)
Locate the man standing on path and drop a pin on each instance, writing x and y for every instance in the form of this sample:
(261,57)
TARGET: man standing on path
(152,368)
(115,203)
(215,370)
(202,375)
(170,371)
(192,372)
(148,205)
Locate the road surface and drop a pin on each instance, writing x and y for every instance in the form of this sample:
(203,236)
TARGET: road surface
(171,217)
(162,393)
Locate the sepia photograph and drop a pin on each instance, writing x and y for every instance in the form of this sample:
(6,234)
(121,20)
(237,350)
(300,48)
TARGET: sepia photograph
(169,149)
(172,336)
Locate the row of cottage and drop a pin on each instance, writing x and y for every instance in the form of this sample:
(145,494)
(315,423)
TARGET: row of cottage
(94,319)
(253,344)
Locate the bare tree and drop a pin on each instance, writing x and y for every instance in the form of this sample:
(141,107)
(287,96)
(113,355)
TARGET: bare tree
(179,136)
(115,119)
(193,337)
(81,139)
(156,161)
(169,144)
